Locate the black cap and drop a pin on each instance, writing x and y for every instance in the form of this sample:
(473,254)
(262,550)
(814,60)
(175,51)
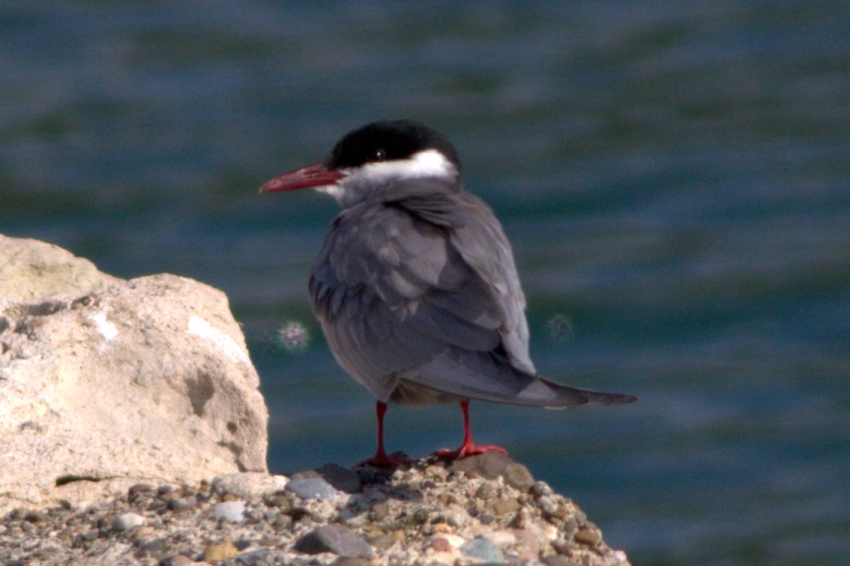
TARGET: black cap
(386,141)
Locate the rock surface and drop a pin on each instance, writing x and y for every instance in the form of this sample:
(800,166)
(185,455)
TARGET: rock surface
(105,383)
(428,513)
(118,399)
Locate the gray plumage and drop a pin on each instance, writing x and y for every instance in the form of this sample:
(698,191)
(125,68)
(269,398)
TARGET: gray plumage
(418,295)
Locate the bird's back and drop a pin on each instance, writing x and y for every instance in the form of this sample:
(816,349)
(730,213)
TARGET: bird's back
(401,281)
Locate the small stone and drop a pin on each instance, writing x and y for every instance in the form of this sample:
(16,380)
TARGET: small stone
(261,557)
(569,526)
(283,523)
(341,478)
(176,560)
(278,501)
(527,540)
(522,520)
(501,538)
(349,561)
(518,476)
(489,465)
(127,521)
(482,548)
(447,499)
(556,560)
(230,511)
(455,541)
(440,544)
(35,516)
(248,485)
(485,491)
(379,511)
(334,538)
(589,537)
(420,517)
(219,551)
(540,489)
(139,488)
(312,488)
(547,505)
(506,506)
(382,541)
(154,547)
(438,473)
(564,547)
(268,541)
(581,518)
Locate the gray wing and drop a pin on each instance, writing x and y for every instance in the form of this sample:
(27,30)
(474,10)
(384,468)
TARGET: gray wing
(422,294)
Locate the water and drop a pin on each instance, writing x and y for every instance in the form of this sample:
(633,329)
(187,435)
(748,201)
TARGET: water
(674,178)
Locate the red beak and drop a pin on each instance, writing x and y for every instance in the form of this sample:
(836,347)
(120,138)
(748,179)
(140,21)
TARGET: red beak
(315,175)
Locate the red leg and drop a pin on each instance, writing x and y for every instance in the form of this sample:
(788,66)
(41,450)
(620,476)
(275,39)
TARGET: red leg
(469,448)
(381,459)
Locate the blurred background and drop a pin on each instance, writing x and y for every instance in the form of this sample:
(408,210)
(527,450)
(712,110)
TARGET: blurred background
(674,176)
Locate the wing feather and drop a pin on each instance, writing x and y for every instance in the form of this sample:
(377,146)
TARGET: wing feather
(420,301)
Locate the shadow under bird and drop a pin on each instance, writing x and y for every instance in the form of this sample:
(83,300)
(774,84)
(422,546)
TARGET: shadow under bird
(416,287)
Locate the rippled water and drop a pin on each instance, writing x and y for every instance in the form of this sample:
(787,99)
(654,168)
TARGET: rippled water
(674,178)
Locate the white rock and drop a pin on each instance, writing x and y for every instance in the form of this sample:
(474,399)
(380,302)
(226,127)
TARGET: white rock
(454,541)
(501,538)
(249,485)
(232,511)
(105,383)
(127,521)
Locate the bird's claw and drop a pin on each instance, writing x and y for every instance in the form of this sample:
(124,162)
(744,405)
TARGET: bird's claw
(469,449)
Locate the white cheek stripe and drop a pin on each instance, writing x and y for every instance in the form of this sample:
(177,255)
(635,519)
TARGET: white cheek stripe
(428,163)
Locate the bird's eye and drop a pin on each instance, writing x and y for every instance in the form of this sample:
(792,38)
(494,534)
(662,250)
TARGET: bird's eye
(380,155)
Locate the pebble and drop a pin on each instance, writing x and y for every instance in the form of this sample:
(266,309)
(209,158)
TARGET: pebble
(219,551)
(419,514)
(248,485)
(340,478)
(484,549)
(336,539)
(590,537)
(517,476)
(231,511)
(501,538)
(127,521)
(505,506)
(540,489)
(312,488)
(382,541)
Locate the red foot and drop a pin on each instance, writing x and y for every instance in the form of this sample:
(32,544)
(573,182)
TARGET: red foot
(380,459)
(469,448)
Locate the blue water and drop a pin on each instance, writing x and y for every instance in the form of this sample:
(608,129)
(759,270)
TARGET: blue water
(674,177)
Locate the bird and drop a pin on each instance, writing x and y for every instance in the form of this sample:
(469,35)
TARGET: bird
(415,287)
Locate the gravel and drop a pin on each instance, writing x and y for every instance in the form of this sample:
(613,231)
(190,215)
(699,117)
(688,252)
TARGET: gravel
(431,512)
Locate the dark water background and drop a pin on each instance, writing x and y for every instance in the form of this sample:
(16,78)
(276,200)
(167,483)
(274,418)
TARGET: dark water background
(675,178)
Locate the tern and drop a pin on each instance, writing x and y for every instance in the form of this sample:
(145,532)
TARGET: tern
(415,287)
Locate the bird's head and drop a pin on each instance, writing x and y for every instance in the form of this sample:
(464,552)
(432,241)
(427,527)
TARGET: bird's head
(374,158)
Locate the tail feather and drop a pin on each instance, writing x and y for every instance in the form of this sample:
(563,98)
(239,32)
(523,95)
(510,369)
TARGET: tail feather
(486,377)
(565,396)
